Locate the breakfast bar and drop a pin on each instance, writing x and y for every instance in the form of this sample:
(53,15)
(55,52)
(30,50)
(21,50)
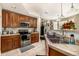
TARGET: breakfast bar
(61,49)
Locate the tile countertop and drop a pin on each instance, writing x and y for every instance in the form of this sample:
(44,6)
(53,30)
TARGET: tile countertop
(68,33)
(15,34)
(10,34)
(67,49)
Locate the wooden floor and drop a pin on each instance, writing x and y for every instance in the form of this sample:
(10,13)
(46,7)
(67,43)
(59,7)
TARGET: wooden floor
(39,49)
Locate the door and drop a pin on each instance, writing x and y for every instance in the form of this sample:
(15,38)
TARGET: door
(6,43)
(31,22)
(34,37)
(16,42)
(35,23)
(3,18)
(6,21)
(15,21)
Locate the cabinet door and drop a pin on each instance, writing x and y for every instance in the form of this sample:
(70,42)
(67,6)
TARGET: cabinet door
(6,44)
(31,22)
(15,20)
(16,42)
(3,18)
(27,18)
(6,21)
(21,18)
(35,23)
(34,37)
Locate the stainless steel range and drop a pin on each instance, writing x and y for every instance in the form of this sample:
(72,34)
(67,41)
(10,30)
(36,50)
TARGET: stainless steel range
(24,33)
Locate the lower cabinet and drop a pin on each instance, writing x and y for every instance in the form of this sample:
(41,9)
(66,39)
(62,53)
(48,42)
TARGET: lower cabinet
(53,52)
(6,44)
(16,42)
(10,42)
(34,37)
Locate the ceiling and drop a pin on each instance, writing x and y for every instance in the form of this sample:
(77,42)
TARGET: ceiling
(44,10)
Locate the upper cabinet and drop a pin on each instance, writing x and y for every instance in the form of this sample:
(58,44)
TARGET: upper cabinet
(12,19)
(15,20)
(6,21)
(33,22)
(23,18)
(9,19)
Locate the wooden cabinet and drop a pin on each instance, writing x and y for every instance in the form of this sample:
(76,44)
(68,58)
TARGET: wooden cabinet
(15,20)
(6,21)
(3,18)
(33,22)
(6,43)
(23,18)
(53,52)
(10,42)
(16,42)
(12,19)
(34,37)
(9,19)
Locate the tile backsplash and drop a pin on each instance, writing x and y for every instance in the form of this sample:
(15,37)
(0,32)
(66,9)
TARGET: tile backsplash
(15,30)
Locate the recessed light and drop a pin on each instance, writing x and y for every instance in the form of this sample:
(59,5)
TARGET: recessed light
(46,12)
(13,7)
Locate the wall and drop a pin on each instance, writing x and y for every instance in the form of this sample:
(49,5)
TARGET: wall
(38,25)
(0,25)
(77,21)
(55,25)
(0,19)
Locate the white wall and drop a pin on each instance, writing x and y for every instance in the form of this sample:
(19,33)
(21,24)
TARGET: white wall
(38,25)
(0,24)
(0,19)
(55,25)
(77,21)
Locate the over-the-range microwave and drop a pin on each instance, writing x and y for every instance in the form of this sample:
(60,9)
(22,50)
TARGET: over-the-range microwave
(24,24)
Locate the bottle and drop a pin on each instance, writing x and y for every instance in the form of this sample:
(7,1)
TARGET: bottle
(72,39)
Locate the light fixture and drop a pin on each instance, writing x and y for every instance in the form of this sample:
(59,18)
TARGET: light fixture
(13,6)
(46,12)
(61,14)
(73,10)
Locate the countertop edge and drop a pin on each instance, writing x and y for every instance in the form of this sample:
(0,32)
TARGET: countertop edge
(66,52)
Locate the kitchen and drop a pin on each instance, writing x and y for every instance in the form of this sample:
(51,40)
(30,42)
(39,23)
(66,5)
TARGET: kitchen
(27,33)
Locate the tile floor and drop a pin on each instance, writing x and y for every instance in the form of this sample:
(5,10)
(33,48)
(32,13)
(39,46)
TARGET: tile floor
(39,49)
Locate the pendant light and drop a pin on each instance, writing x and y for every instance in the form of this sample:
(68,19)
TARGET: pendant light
(61,14)
(73,10)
